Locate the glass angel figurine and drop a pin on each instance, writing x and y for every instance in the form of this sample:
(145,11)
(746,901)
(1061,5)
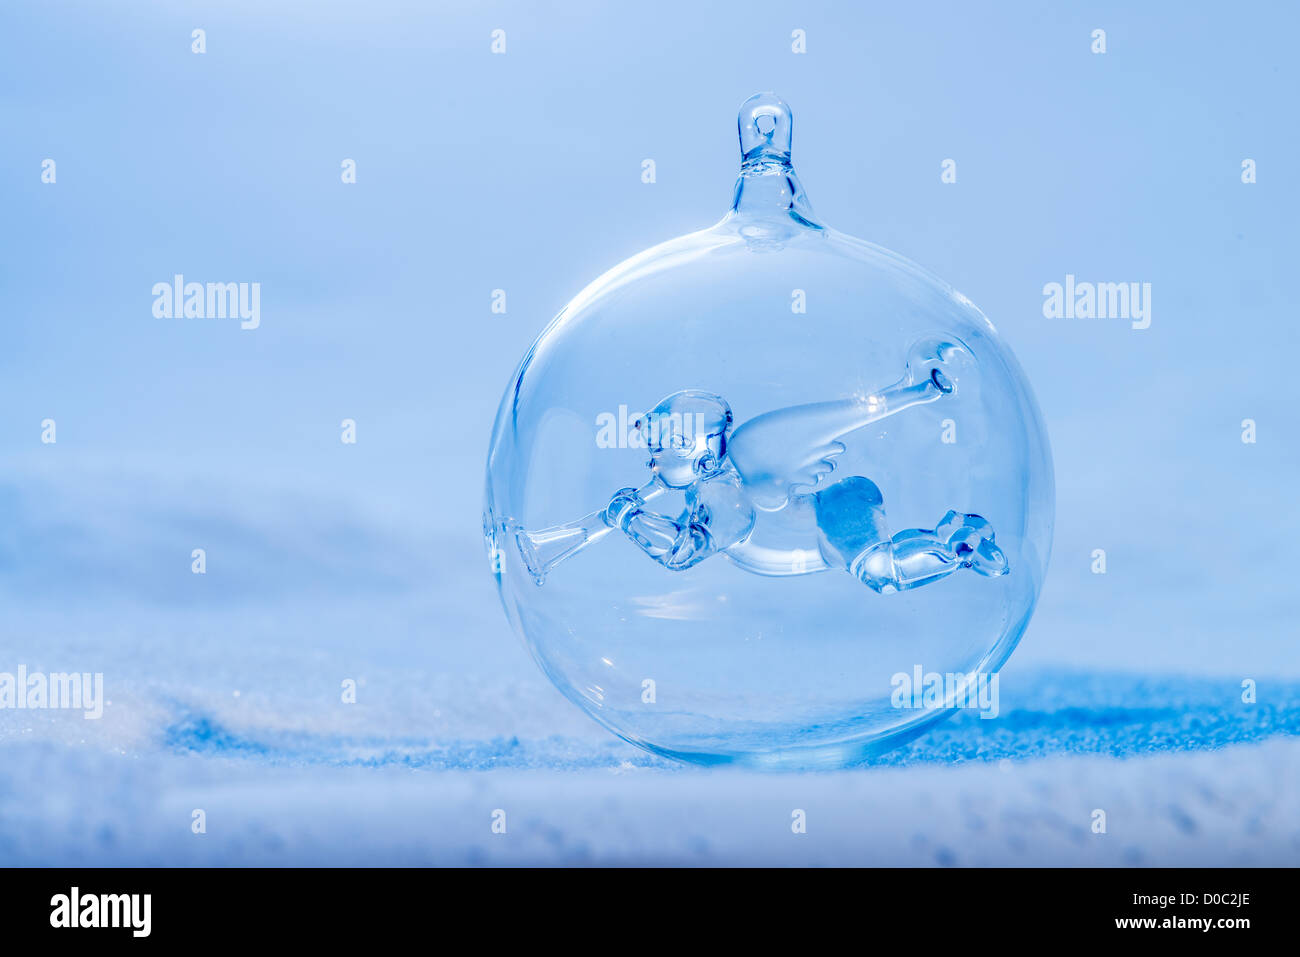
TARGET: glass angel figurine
(782,459)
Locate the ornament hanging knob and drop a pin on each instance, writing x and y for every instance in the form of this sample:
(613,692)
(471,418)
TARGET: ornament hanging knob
(765,125)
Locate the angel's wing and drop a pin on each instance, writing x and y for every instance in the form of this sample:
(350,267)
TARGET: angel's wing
(792,449)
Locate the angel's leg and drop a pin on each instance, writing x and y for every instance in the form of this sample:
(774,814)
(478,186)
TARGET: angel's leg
(854,534)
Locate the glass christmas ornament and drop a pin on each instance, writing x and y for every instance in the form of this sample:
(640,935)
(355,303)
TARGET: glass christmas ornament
(767,493)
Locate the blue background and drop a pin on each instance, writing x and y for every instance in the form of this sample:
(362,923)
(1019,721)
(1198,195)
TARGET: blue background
(523,172)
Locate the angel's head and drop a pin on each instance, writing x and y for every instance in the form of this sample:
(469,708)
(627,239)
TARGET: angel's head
(686,435)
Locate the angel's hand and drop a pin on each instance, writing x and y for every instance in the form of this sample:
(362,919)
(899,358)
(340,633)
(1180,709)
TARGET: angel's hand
(621,505)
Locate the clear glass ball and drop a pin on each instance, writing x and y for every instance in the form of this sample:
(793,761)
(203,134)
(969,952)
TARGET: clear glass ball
(749,478)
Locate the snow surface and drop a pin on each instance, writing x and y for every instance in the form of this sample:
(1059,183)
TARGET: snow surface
(1185,772)
(575,802)
(224,694)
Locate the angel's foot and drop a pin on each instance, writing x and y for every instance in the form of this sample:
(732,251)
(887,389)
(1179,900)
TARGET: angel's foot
(970,537)
(987,560)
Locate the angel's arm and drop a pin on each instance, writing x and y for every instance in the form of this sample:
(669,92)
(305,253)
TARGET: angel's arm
(716,517)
